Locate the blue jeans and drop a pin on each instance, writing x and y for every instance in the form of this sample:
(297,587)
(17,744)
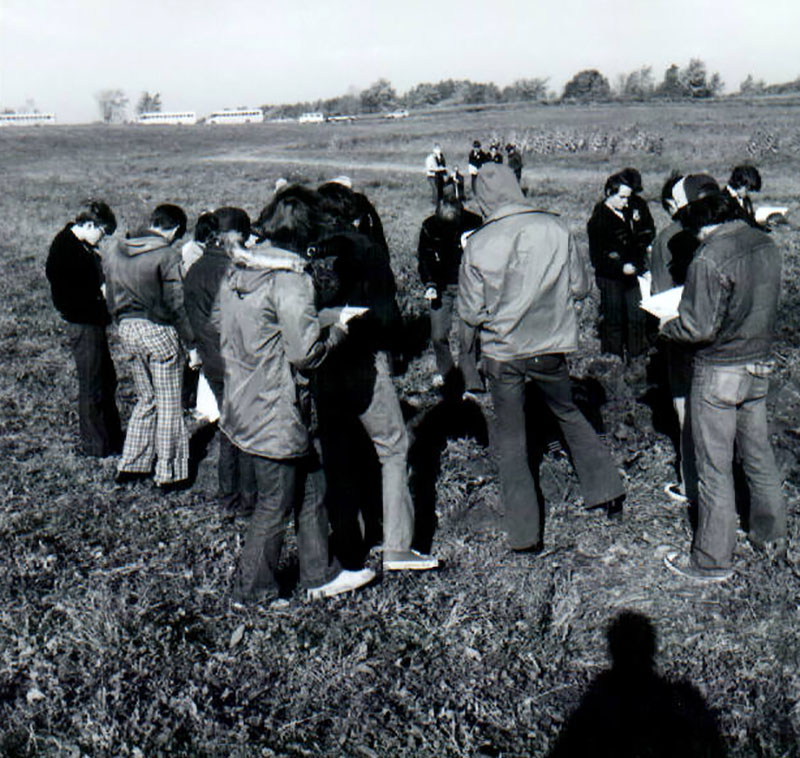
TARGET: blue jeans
(599,479)
(284,487)
(441,312)
(728,405)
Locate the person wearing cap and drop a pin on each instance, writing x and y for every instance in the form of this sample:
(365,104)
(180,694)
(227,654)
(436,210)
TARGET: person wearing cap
(495,153)
(228,227)
(74,271)
(439,254)
(618,259)
(520,276)
(670,255)
(728,313)
(477,157)
(514,160)
(436,171)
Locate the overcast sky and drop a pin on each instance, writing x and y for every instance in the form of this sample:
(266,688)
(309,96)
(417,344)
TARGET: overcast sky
(203,55)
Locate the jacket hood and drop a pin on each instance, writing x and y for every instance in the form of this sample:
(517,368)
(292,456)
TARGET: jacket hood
(252,264)
(144,242)
(496,186)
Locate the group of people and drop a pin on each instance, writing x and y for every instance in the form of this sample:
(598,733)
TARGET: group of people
(294,320)
(478,156)
(444,180)
(294,334)
(514,286)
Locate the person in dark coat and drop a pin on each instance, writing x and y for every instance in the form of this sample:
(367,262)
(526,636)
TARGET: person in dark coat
(638,212)
(355,387)
(743,181)
(76,281)
(495,153)
(229,226)
(514,160)
(618,259)
(439,257)
(477,157)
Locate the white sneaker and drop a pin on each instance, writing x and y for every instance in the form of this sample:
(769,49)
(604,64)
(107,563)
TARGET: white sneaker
(675,491)
(408,560)
(344,581)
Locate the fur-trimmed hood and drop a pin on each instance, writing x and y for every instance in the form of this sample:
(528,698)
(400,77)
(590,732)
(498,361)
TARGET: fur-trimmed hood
(251,265)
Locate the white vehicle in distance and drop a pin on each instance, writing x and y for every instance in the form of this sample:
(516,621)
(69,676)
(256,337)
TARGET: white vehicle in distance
(311,118)
(175,118)
(397,114)
(27,119)
(340,118)
(236,116)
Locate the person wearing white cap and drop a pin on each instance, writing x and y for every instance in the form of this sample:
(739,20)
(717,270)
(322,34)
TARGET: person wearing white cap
(670,256)
(728,312)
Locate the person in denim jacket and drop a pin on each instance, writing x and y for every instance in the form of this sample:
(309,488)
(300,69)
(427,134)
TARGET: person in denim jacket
(728,311)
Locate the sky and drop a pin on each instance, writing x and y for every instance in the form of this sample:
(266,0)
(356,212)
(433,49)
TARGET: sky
(204,55)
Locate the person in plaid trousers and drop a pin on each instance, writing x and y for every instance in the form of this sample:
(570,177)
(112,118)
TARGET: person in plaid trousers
(144,290)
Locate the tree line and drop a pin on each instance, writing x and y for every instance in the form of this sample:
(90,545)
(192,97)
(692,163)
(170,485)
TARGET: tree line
(690,82)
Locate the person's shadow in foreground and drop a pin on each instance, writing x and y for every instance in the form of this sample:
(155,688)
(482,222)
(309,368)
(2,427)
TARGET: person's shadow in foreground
(632,712)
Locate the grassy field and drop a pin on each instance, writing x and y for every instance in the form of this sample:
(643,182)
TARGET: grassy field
(116,633)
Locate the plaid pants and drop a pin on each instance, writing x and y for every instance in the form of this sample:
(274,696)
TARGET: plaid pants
(155,429)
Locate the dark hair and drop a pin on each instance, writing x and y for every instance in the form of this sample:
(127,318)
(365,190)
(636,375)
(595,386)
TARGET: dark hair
(232,220)
(168,217)
(747,177)
(99,214)
(666,190)
(449,202)
(294,219)
(632,178)
(205,228)
(613,183)
(716,208)
(339,201)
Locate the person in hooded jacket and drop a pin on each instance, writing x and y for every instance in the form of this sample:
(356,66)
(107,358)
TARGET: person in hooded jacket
(520,276)
(270,335)
(227,226)
(144,290)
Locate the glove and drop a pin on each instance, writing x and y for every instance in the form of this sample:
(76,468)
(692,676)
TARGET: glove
(431,293)
(629,269)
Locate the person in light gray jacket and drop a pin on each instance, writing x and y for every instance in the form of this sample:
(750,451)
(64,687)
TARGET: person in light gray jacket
(520,276)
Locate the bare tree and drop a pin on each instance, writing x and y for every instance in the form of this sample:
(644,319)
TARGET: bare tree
(112,104)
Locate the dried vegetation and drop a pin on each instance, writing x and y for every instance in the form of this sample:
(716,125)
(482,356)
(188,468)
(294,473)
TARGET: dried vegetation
(116,633)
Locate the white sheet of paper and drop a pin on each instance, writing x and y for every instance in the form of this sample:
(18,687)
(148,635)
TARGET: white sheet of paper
(663,305)
(763,212)
(206,402)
